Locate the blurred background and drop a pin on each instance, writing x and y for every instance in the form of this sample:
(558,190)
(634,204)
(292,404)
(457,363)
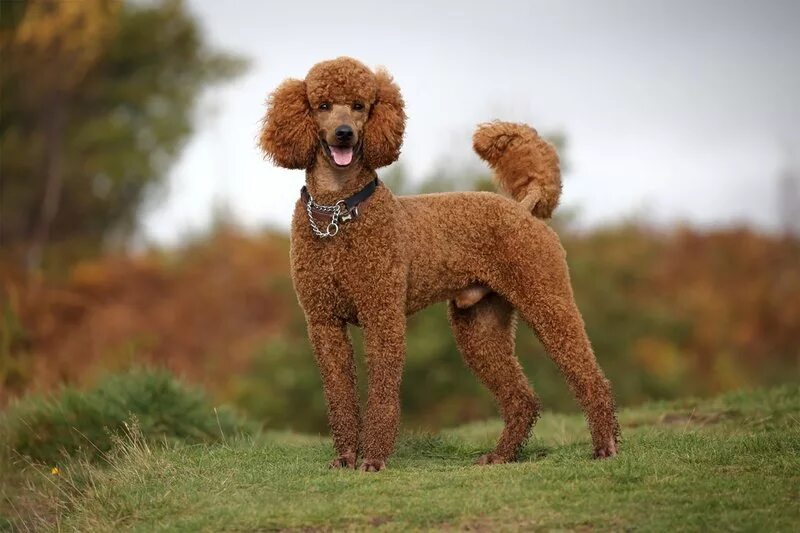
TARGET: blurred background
(140,226)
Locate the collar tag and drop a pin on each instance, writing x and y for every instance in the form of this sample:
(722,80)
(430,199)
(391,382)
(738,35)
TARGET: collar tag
(349,214)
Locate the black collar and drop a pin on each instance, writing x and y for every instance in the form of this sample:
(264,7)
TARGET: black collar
(351,202)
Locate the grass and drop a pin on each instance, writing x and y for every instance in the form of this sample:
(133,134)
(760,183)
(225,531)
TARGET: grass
(83,422)
(731,463)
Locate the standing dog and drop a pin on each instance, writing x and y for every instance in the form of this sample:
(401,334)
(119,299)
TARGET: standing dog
(361,255)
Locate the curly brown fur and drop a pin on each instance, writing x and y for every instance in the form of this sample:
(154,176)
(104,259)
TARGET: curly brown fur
(403,253)
(289,135)
(526,166)
(485,336)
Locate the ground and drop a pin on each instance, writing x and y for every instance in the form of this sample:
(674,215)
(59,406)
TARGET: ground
(731,463)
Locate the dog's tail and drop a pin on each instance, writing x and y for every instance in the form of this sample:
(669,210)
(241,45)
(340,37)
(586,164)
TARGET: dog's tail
(525,165)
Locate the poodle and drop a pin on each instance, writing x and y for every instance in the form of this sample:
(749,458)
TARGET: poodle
(361,255)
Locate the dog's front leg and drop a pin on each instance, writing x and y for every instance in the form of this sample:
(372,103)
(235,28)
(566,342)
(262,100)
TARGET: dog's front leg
(384,342)
(334,354)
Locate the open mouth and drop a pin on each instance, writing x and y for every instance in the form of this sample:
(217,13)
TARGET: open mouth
(341,156)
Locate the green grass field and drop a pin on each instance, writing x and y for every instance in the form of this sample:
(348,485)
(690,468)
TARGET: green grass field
(731,463)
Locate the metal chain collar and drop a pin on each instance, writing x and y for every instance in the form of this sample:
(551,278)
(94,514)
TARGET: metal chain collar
(341,211)
(336,210)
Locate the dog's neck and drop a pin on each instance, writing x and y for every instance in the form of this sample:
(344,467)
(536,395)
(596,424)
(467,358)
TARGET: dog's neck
(327,185)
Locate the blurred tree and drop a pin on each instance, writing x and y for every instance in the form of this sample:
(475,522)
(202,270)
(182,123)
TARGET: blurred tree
(97,99)
(789,201)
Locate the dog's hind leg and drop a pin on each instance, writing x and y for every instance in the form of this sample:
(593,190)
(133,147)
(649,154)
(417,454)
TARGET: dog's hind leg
(485,336)
(543,297)
(559,326)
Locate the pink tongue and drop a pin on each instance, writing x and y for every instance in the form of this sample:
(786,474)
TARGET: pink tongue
(342,155)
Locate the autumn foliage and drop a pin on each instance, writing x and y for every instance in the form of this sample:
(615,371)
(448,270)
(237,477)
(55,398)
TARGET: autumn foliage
(198,312)
(669,312)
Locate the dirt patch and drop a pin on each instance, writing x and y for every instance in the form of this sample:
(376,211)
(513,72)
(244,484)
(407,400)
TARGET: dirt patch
(379,521)
(683,418)
(700,419)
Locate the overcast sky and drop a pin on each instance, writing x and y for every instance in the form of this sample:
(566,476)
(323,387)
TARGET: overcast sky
(673,110)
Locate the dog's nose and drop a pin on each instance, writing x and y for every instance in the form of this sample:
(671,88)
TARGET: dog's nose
(344,133)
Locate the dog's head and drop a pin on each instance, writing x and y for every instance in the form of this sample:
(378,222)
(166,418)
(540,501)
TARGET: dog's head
(343,110)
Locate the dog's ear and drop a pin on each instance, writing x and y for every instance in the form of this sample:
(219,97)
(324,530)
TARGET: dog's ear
(383,132)
(289,133)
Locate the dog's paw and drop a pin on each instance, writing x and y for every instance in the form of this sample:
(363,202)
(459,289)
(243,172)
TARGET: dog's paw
(606,450)
(346,460)
(372,465)
(491,459)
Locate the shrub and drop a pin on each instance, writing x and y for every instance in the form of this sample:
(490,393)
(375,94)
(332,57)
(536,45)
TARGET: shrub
(76,422)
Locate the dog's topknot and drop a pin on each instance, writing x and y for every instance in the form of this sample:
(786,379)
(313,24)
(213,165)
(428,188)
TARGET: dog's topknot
(340,81)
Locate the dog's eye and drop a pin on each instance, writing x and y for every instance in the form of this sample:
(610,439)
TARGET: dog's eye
(358,106)
(324,106)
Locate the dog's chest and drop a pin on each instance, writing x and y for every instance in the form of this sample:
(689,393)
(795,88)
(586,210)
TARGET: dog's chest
(331,277)
(344,274)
